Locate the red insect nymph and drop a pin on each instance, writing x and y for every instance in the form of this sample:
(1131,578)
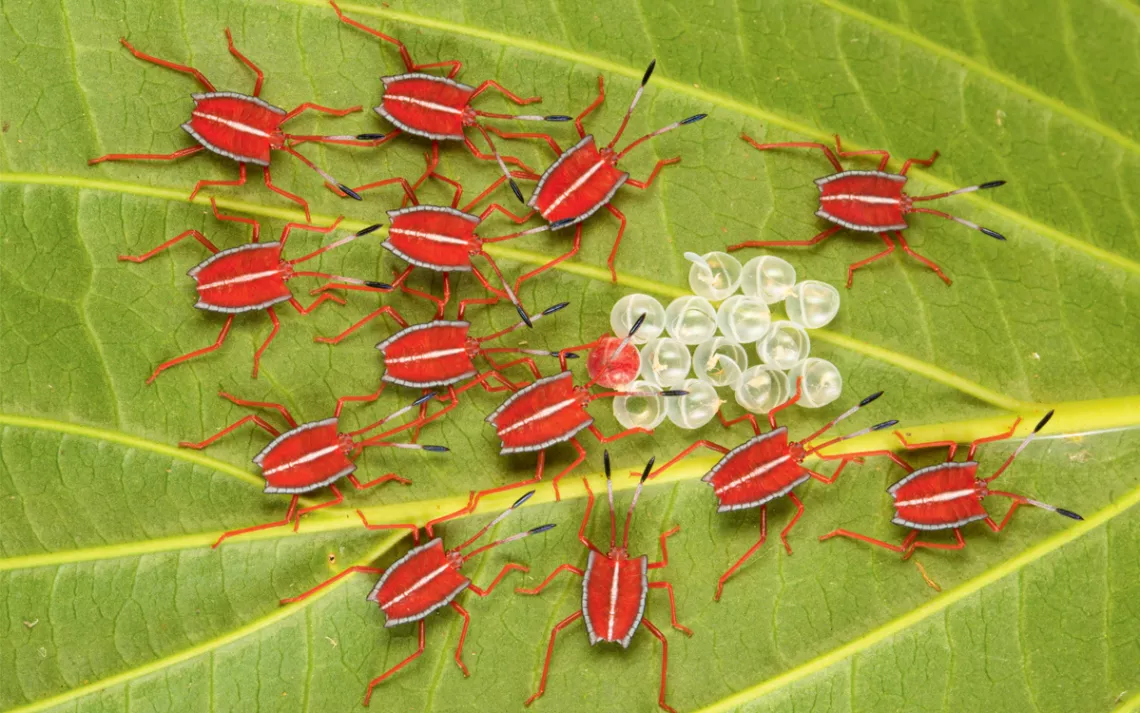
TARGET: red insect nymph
(769,466)
(241,127)
(869,202)
(948,496)
(614,588)
(314,455)
(438,108)
(585,177)
(429,578)
(249,278)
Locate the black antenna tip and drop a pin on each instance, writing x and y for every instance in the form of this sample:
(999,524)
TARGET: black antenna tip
(555,308)
(637,325)
(522,500)
(870,398)
(606,463)
(518,193)
(693,119)
(675,392)
(992,233)
(424,399)
(349,192)
(369,229)
(542,528)
(1069,514)
(1043,421)
(437,449)
(648,72)
(524,315)
(648,468)
(568,355)
(884,424)
(369,137)
(558,117)
(378,285)
(560,224)
(991,184)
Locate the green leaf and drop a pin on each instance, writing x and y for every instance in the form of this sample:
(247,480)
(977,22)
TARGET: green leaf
(112,599)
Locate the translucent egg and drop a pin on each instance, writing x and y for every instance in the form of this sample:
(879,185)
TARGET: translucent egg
(762,388)
(665,362)
(767,277)
(611,369)
(812,304)
(696,408)
(785,345)
(690,319)
(640,410)
(714,275)
(719,361)
(626,311)
(822,382)
(743,319)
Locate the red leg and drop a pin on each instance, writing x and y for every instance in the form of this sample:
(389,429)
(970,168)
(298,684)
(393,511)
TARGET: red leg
(672,607)
(261,404)
(1005,520)
(547,138)
(472,501)
(795,518)
(245,60)
(486,192)
(794,398)
(239,181)
(577,461)
(492,84)
(990,439)
(653,175)
(462,636)
(146,156)
(787,243)
(593,105)
(951,446)
(409,194)
(187,234)
(379,679)
(301,309)
(525,361)
(846,457)
(365,398)
(751,551)
(255,420)
(513,160)
(496,208)
(797,145)
(664,662)
(927,162)
(617,241)
(386,309)
(664,552)
(750,418)
(924,260)
(508,568)
(254,226)
(196,353)
(699,444)
(869,540)
(404,54)
(463,304)
(885,156)
(457,195)
(309,106)
(368,526)
(337,499)
(169,65)
(269,525)
(537,477)
(550,651)
(550,265)
(377,481)
(959,543)
(282,192)
(867,261)
(327,582)
(265,345)
(550,577)
(586,518)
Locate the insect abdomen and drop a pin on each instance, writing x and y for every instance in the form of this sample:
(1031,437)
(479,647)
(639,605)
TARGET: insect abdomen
(240,127)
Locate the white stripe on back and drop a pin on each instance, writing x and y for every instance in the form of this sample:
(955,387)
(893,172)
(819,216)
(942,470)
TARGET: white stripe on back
(424,104)
(303,459)
(939,498)
(418,584)
(613,599)
(237,280)
(861,198)
(235,125)
(426,355)
(548,411)
(755,473)
(576,185)
(434,237)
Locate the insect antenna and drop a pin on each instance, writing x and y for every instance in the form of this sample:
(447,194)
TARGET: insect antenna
(853,434)
(846,414)
(1036,429)
(633,104)
(527,320)
(610,493)
(1037,504)
(379,438)
(620,347)
(395,414)
(502,164)
(947,216)
(383,286)
(323,174)
(633,503)
(499,518)
(629,112)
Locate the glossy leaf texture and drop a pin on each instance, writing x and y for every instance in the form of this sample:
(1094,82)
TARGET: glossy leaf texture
(112,599)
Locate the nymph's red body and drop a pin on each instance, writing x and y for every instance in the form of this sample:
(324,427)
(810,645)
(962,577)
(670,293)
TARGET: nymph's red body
(308,457)
(242,279)
(575,186)
(613,596)
(762,469)
(541,414)
(429,106)
(430,354)
(238,126)
(425,579)
(939,497)
(435,237)
(867,201)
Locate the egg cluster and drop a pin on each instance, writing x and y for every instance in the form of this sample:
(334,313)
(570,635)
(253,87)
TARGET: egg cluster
(700,348)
